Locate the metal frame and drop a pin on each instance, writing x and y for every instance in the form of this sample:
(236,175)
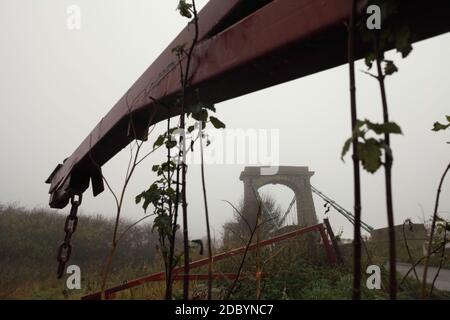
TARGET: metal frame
(244,46)
(160,276)
(347,214)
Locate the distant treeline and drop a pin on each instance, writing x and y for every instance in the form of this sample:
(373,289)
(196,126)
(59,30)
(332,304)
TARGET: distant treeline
(29,240)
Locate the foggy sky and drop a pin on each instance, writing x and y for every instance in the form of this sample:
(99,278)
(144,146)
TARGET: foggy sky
(56,84)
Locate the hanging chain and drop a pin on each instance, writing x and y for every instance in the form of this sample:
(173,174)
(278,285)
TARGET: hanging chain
(65,249)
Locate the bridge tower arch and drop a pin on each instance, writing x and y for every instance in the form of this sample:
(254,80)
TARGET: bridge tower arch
(295,178)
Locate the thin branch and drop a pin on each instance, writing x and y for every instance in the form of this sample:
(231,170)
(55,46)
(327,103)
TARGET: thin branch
(441,261)
(147,155)
(356,168)
(119,202)
(411,259)
(233,286)
(122,194)
(369,74)
(388,178)
(208,229)
(183,144)
(116,224)
(240,215)
(252,233)
(430,240)
(132,226)
(417,263)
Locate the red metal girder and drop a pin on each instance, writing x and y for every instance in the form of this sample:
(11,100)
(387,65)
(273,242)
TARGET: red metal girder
(203,277)
(111,134)
(191,277)
(202,262)
(326,244)
(244,46)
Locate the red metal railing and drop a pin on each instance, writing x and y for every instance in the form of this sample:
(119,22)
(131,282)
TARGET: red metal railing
(160,276)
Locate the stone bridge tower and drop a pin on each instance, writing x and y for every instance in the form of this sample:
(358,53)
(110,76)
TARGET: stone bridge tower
(295,178)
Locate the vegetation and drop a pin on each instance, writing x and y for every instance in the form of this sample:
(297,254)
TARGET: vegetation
(29,239)
(390,30)
(283,271)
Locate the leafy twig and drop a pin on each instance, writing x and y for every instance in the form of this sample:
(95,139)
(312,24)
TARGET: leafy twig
(208,230)
(388,178)
(411,260)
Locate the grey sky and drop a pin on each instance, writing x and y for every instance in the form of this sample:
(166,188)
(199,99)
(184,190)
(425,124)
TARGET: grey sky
(56,84)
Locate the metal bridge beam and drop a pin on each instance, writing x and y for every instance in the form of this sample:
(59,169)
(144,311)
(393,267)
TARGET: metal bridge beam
(244,46)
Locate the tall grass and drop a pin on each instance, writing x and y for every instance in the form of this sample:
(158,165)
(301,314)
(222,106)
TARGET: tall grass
(29,240)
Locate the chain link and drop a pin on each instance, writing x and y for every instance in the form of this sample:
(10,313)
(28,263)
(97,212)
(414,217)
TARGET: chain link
(70,226)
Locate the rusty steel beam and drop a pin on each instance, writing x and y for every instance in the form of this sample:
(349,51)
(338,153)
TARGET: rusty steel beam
(202,262)
(191,277)
(244,46)
(327,246)
(337,250)
(204,277)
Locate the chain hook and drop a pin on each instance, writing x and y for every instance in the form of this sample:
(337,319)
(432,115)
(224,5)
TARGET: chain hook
(70,226)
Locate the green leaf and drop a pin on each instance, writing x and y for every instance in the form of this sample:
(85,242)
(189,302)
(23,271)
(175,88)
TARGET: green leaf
(210,107)
(346,147)
(159,141)
(217,123)
(390,68)
(369,59)
(359,124)
(384,128)
(438,126)
(138,198)
(190,129)
(168,166)
(155,168)
(369,153)
(152,195)
(171,144)
(448,118)
(185,9)
(201,115)
(357,133)
(163,223)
